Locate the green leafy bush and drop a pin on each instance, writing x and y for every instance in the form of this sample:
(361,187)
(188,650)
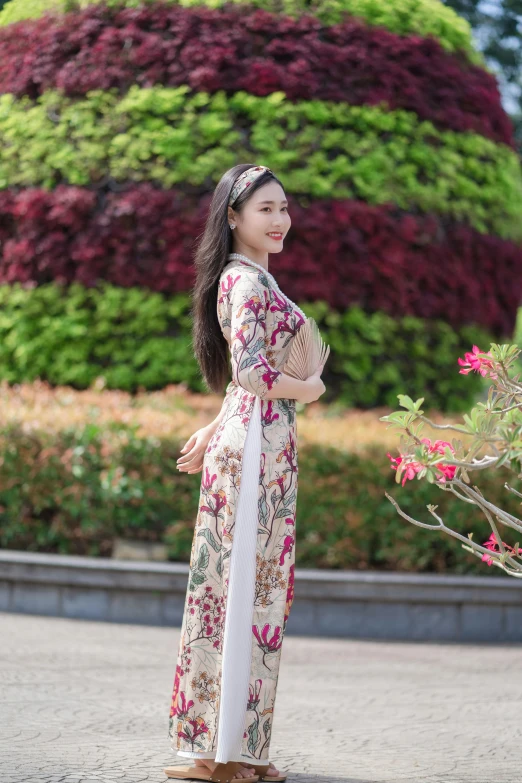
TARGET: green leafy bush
(137,338)
(74,491)
(320,148)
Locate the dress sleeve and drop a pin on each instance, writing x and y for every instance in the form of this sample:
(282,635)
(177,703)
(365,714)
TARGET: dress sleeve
(248,302)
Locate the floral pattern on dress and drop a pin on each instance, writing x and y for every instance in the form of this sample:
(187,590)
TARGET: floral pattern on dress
(258,325)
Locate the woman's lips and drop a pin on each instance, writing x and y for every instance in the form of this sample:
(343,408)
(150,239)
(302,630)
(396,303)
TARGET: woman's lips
(277,237)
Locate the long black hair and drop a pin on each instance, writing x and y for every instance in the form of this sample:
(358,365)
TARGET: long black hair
(211,256)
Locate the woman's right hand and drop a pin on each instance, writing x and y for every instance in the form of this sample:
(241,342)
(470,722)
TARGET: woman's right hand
(192,461)
(314,386)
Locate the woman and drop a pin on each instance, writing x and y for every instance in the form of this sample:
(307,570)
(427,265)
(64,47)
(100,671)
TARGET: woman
(242,561)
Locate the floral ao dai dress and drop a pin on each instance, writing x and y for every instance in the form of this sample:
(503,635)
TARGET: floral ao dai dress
(241,574)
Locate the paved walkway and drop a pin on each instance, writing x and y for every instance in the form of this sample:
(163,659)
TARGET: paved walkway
(87,702)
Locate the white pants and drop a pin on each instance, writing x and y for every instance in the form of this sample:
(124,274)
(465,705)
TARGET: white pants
(237,635)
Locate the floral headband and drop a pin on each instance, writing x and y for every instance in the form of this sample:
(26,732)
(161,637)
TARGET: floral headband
(245,179)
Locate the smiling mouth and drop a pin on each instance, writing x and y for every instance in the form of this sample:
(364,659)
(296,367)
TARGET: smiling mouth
(275,236)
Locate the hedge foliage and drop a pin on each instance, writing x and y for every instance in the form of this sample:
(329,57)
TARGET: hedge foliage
(101,48)
(404,17)
(134,338)
(379,258)
(74,491)
(406,201)
(322,149)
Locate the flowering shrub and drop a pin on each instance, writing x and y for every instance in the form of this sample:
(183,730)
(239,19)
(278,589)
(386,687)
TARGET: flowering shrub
(411,467)
(172,45)
(495,428)
(493,544)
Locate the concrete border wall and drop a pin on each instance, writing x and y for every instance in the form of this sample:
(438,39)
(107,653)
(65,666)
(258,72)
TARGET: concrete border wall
(347,604)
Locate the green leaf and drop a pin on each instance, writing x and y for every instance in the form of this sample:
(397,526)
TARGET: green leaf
(253,737)
(198,577)
(203,558)
(207,533)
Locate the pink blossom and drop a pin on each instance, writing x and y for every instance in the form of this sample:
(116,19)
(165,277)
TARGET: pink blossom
(474,362)
(492,544)
(412,467)
(409,469)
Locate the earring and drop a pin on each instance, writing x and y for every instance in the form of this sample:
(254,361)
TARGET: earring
(232,225)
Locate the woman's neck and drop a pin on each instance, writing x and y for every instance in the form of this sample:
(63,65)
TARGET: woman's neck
(245,258)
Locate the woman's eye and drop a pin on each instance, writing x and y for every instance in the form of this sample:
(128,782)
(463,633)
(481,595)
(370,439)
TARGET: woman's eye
(283,208)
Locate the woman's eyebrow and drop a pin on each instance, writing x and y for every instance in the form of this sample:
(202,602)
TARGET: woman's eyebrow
(284,201)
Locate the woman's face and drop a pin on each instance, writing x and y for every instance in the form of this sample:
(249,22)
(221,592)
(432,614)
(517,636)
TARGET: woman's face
(265,213)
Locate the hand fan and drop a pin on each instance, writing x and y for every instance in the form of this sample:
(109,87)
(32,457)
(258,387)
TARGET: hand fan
(307,351)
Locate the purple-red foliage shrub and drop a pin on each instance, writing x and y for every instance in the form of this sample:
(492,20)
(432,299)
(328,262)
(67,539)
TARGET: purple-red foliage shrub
(347,252)
(242,48)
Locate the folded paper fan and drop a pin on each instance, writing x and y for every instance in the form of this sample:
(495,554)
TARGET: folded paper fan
(307,352)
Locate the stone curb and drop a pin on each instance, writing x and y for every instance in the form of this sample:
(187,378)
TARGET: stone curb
(345,604)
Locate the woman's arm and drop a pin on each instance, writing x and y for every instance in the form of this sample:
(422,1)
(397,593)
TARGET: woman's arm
(214,424)
(251,370)
(192,460)
(287,387)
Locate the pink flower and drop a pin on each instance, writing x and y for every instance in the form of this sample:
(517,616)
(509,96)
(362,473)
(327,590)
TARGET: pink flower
(288,542)
(268,645)
(208,479)
(253,695)
(197,727)
(411,468)
(479,364)
(492,544)
(184,707)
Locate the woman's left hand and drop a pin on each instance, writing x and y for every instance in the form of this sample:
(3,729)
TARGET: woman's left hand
(192,461)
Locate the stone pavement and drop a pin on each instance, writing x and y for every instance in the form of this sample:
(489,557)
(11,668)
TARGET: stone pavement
(88,702)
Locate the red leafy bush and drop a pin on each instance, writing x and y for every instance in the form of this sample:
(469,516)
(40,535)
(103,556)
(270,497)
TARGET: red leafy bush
(347,252)
(242,48)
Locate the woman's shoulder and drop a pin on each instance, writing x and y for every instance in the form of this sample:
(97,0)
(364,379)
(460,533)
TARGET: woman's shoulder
(243,274)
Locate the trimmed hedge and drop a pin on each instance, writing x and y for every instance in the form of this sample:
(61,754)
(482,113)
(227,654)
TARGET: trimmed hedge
(404,17)
(138,339)
(74,491)
(320,149)
(379,258)
(242,48)
(409,211)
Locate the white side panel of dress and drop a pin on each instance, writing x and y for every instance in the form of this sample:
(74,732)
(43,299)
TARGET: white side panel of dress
(237,635)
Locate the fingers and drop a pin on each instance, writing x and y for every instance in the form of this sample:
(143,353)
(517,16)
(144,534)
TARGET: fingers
(192,470)
(193,454)
(189,455)
(189,463)
(189,443)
